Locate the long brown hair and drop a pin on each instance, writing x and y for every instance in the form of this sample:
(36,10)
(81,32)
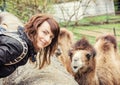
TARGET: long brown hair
(31,28)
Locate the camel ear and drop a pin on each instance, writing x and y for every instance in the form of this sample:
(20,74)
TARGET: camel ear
(94,53)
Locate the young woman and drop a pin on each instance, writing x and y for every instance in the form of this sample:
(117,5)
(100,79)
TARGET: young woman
(40,33)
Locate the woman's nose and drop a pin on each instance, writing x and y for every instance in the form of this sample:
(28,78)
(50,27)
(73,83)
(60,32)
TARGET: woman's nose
(47,38)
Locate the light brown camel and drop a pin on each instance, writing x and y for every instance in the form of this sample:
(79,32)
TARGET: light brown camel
(65,41)
(87,66)
(106,48)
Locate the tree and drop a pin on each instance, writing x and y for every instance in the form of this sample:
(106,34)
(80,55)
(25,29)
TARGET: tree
(118,2)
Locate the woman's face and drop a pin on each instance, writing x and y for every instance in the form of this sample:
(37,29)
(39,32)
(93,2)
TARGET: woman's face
(44,35)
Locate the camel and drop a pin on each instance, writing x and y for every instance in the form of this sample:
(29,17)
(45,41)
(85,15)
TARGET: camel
(106,48)
(86,63)
(65,38)
(83,63)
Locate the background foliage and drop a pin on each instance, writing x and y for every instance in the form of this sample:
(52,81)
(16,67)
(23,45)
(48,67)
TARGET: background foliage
(24,9)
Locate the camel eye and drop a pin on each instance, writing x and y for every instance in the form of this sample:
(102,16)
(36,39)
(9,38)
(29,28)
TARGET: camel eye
(88,56)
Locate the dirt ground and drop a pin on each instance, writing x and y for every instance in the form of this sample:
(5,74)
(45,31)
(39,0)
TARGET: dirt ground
(97,33)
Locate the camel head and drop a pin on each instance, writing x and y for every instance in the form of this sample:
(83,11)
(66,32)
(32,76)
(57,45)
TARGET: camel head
(82,56)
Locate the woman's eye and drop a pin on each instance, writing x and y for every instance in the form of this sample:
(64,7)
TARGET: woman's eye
(45,32)
(51,37)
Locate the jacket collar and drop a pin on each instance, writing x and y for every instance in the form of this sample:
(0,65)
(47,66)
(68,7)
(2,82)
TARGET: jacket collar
(31,49)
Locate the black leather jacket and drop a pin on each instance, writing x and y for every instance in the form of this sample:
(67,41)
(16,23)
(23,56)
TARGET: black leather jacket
(10,49)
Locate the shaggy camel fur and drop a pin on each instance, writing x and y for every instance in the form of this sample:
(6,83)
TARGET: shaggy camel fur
(64,43)
(106,48)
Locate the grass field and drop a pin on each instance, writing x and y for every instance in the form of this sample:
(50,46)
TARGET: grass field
(92,27)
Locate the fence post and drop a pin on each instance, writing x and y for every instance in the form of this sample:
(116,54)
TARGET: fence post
(114,31)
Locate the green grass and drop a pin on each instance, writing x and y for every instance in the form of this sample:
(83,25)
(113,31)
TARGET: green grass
(99,19)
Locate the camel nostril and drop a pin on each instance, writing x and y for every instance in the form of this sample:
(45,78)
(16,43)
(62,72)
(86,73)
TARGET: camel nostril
(75,67)
(75,60)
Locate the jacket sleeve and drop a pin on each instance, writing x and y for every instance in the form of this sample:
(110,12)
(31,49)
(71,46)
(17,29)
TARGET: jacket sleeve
(3,54)
(9,49)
